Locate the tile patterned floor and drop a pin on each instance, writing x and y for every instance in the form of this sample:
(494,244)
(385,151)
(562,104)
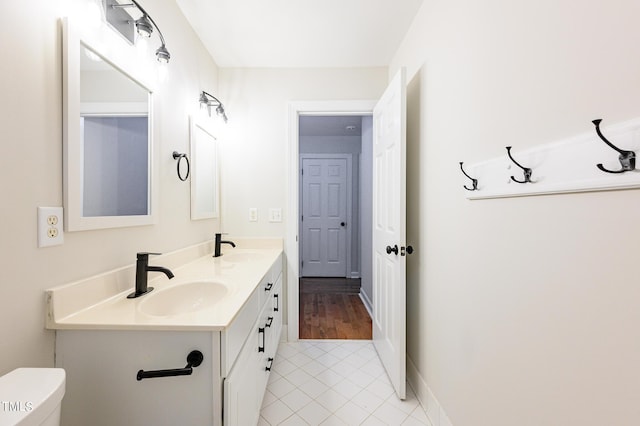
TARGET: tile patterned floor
(334,383)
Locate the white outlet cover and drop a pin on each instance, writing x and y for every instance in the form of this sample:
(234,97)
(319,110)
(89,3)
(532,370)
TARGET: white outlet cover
(50,222)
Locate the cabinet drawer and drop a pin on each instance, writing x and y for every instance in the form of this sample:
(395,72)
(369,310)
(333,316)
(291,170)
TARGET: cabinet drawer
(276,318)
(269,281)
(235,335)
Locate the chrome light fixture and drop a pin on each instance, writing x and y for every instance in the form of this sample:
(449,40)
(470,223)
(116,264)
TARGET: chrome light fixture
(208,100)
(124,23)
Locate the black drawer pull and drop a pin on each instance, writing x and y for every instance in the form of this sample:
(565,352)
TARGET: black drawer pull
(269,364)
(261,347)
(269,322)
(194,359)
(277,303)
(268,286)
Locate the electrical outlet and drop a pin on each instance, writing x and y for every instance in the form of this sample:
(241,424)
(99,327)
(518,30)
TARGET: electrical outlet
(253,214)
(50,226)
(275,215)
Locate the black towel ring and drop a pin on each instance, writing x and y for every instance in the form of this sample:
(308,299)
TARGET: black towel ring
(179,157)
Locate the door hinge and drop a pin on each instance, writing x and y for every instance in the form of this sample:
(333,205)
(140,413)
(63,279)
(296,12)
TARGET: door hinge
(302,218)
(302,171)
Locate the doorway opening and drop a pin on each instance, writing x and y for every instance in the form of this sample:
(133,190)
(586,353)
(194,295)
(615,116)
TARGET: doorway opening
(334,228)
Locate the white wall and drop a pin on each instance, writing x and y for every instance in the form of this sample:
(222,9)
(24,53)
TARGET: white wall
(254,152)
(520,311)
(31,176)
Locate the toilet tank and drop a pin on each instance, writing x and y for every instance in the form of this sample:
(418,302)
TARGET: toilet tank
(31,397)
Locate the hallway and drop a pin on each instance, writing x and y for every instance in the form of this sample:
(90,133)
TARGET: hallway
(331,308)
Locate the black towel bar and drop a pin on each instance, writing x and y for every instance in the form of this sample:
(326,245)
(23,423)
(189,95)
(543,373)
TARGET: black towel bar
(194,359)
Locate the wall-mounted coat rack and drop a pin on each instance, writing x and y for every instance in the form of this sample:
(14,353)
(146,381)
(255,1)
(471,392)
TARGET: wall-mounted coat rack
(578,164)
(526,170)
(474,182)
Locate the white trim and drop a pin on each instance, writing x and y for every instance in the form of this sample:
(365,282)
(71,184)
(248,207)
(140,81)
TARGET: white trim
(435,412)
(74,35)
(292,163)
(198,122)
(366,302)
(349,204)
(117,109)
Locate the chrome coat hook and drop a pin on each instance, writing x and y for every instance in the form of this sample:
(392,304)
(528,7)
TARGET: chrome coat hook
(627,158)
(474,182)
(527,171)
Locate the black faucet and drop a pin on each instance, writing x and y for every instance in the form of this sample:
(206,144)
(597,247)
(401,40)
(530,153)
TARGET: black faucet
(219,242)
(142,267)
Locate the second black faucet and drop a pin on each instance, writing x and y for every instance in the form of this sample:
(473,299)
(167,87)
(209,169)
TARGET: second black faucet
(219,242)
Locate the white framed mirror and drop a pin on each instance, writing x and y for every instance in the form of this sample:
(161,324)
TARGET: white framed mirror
(205,175)
(107,136)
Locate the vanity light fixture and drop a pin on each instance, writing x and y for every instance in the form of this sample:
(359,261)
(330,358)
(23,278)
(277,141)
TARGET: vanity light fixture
(213,102)
(123,23)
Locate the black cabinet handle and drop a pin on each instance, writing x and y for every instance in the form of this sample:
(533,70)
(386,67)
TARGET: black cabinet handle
(269,322)
(269,364)
(342,224)
(268,286)
(261,347)
(277,303)
(392,250)
(194,359)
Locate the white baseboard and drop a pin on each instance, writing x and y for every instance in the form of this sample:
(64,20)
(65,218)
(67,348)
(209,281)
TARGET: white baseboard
(355,275)
(366,302)
(284,333)
(431,406)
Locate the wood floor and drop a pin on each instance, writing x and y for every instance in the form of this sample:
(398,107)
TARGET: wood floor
(331,308)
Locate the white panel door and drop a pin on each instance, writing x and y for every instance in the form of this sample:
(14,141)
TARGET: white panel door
(389,228)
(324,216)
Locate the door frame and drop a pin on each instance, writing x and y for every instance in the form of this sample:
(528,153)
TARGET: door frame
(349,219)
(291,243)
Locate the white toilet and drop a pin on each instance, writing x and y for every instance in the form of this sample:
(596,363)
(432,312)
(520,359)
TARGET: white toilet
(31,397)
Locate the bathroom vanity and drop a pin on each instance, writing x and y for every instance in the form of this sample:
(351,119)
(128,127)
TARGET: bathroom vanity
(228,308)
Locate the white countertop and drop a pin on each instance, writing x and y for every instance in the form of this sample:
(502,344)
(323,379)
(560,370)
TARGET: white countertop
(76,306)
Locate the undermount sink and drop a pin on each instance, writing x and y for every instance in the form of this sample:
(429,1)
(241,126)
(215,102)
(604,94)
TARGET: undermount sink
(183,298)
(240,257)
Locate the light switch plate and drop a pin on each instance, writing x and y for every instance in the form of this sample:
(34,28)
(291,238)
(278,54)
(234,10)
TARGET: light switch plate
(253,214)
(275,215)
(50,226)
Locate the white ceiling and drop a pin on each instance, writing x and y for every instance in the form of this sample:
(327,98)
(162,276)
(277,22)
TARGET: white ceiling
(301,33)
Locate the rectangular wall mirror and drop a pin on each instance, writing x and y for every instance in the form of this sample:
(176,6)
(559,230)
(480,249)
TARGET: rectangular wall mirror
(107,138)
(205,183)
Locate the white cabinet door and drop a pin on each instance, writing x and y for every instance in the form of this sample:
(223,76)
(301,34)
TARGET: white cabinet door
(244,386)
(389,229)
(101,384)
